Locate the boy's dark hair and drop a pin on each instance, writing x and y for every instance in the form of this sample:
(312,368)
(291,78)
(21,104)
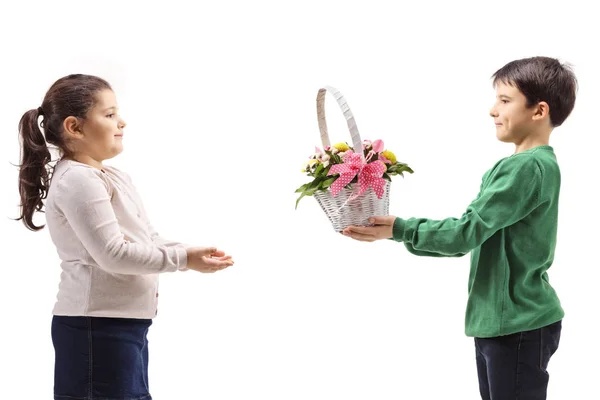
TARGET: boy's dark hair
(542,79)
(72,95)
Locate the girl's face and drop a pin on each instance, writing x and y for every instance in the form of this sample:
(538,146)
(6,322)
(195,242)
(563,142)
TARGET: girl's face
(100,136)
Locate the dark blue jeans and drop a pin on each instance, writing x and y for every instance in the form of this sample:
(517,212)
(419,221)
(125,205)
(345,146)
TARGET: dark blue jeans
(100,358)
(514,366)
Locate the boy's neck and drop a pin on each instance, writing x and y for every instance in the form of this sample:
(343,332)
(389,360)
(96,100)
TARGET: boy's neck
(531,141)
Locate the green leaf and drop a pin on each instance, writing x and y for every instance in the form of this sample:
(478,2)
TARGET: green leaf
(324,184)
(302,188)
(404,168)
(298,201)
(327,183)
(319,169)
(311,191)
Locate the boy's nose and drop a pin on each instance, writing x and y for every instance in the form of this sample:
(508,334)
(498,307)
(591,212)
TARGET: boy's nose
(493,112)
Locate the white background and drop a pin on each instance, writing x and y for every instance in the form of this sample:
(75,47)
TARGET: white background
(220,102)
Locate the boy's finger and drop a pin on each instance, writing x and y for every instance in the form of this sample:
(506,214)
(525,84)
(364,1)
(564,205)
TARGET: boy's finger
(364,230)
(378,220)
(359,236)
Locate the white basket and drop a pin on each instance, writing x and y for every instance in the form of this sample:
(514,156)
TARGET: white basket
(341,212)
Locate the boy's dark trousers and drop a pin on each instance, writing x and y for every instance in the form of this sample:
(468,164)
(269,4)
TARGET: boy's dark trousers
(514,366)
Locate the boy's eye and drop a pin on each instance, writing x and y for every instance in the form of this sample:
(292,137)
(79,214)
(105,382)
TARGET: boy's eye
(110,115)
(504,101)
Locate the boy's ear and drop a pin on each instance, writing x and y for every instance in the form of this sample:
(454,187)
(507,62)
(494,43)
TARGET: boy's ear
(542,110)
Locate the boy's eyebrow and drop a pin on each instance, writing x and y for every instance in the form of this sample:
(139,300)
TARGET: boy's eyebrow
(110,108)
(503,95)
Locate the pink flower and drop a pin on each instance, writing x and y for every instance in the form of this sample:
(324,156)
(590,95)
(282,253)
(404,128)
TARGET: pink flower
(378,146)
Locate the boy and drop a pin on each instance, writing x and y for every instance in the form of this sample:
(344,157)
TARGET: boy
(510,230)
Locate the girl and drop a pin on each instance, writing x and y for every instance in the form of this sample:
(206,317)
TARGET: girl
(111,255)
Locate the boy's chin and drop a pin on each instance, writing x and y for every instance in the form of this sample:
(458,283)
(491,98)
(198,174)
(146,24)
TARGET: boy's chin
(504,138)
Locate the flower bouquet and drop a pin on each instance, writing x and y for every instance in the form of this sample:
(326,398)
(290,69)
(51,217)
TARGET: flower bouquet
(342,177)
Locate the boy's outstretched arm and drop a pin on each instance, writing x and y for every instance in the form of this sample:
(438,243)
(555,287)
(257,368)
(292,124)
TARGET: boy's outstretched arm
(383,229)
(512,193)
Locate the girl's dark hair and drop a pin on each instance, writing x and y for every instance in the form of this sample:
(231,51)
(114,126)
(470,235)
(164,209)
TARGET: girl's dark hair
(542,79)
(72,95)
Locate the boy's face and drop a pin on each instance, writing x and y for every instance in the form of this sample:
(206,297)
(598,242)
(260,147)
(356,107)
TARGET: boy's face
(514,120)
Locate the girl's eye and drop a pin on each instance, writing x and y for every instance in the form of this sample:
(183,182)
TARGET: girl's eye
(504,101)
(110,115)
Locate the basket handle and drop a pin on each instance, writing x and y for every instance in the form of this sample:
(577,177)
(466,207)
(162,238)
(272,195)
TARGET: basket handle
(356,141)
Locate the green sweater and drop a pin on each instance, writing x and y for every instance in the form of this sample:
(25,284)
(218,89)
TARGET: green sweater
(510,231)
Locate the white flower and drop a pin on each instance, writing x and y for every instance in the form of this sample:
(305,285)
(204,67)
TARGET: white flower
(342,154)
(334,150)
(325,164)
(325,157)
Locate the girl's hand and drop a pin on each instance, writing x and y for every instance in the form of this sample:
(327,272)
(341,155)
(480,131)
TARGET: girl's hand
(207,259)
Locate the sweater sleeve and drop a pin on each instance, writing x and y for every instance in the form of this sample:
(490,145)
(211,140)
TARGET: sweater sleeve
(511,194)
(424,253)
(161,241)
(83,196)
(156,238)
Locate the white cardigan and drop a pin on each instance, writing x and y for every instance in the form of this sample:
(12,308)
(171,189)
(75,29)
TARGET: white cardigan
(111,255)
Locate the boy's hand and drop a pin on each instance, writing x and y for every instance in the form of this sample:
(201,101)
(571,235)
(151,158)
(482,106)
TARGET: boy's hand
(382,229)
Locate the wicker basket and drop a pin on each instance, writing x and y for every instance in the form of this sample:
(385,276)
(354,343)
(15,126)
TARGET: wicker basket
(346,208)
